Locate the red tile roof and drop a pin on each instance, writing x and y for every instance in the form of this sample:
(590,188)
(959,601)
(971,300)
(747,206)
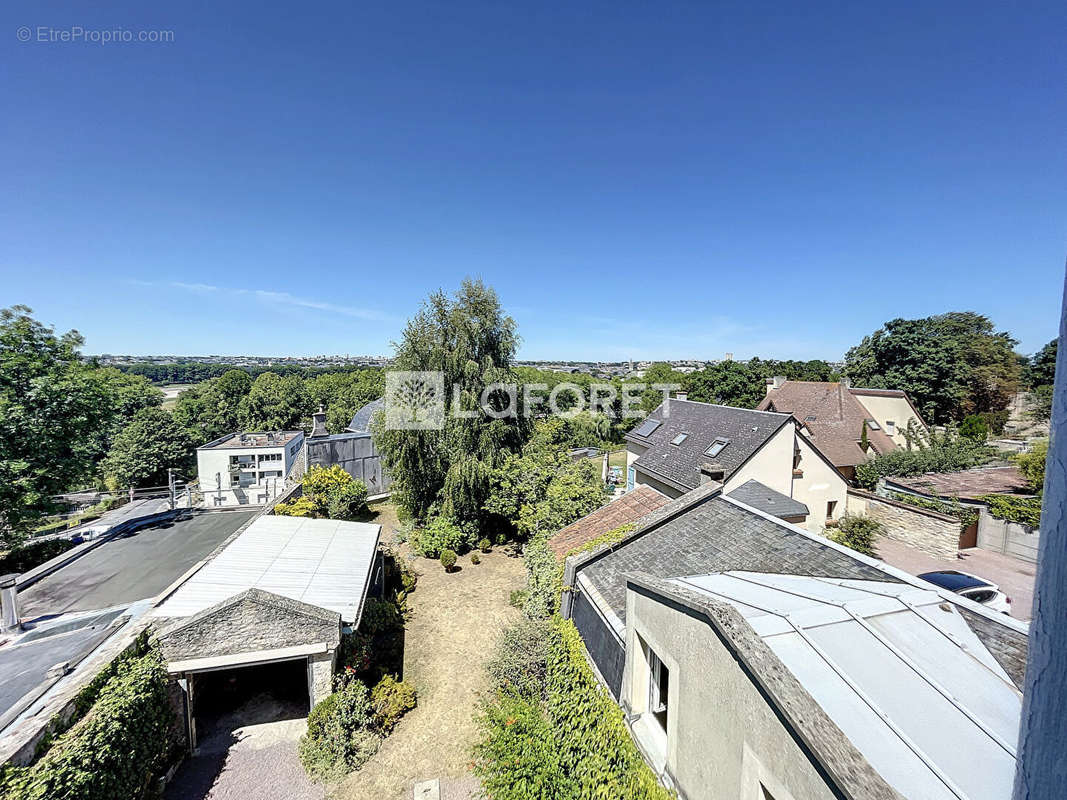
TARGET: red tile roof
(623,510)
(968,484)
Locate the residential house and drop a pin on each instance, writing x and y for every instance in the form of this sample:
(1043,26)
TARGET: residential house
(754,659)
(627,509)
(683,444)
(834,416)
(248,468)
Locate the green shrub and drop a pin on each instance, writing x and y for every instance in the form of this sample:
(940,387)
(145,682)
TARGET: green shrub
(857,532)
(347,501)
(543,579)
(947,453)
(438,535)
(475,559)
(484,545)
(380,616)
(974,427)
(116,749)
(301,507)
(340,736)
(572,746)
(1032,465)
(517,598)
(448,559)
(1024,510)
(519,661)
(33,554)
(391,699)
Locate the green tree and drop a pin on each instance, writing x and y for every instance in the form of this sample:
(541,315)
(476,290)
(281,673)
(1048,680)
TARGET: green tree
(52,409)
(211,409)
(275,403)
(660,373)
(470,339)
(728,383)
(974,427)
(145,449)
(342,394)
(951,364)
(1041,368)
(1032,465)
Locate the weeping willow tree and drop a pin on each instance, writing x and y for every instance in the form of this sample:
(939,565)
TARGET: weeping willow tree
(468,337)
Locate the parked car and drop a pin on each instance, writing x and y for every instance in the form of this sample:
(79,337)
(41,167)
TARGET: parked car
(972,587)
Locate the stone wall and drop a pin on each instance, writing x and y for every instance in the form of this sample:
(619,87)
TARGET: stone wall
(935,534)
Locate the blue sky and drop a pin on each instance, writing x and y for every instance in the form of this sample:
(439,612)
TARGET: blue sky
(636,180)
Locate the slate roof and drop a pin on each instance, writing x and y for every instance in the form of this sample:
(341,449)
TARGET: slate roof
(718,535)
(838,418)
(680,464)
(755,494)
(361,420)
(967,484)
(624,510)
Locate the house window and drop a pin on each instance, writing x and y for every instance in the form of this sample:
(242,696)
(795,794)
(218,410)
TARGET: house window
(658,686)
(831,507)
(717,447)
(890,427)
(235,479)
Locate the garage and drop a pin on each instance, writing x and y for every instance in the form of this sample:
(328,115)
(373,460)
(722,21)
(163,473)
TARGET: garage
(263,618)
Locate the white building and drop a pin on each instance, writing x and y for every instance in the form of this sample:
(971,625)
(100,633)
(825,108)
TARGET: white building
(247,468)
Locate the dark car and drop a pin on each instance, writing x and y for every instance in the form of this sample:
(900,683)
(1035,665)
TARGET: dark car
(972,587)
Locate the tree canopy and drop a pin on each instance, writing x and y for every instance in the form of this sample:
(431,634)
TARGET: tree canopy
(951,364)
(468,337)
(728,383)
(145,449)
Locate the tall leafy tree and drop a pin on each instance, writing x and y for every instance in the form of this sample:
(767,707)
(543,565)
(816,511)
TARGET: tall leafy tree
(952,364)
(663,374)
(1039,375)
(211,409)
(468,337)
(52,409)
(728,383)
(274,404)
(145,449)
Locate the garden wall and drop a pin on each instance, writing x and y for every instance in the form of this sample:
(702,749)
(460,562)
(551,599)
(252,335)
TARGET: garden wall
(930,532)
(1010,538)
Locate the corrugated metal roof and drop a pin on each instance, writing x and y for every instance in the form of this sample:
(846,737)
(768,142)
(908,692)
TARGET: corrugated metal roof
(897,669)
(324,562)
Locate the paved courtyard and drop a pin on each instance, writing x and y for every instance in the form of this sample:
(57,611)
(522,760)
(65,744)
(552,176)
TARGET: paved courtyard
(1015,577)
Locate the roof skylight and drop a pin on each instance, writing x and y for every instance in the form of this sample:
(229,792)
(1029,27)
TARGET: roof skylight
(647,427)
(681,437)
(717,447)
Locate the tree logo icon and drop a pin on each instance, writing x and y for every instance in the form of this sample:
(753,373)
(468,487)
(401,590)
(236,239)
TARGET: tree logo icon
(414,401)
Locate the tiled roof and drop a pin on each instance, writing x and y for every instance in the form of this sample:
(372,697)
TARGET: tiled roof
(702,423)
(625,510)
(838,419)
(968,484)
(718,535)
(755,494)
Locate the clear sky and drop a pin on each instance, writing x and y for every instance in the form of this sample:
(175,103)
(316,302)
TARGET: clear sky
(639,180)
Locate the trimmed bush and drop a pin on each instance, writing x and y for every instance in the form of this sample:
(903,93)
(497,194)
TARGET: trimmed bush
(391,699)
(475,559)
(116,749)
(485,545)
(857,532)
(340,737)
(438,535)
(448,559)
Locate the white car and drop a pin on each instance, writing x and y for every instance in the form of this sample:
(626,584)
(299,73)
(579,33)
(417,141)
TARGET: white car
(972,587)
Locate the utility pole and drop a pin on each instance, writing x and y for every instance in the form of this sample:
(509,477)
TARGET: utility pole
(170,489)
(1042,769)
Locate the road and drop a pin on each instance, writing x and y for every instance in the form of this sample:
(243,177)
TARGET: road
(131,567)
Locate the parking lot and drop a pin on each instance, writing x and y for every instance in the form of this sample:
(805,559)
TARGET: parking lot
(131,567)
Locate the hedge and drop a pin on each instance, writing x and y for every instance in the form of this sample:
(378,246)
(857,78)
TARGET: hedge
(115,750)
(573,746)
(966,515)
(1024,510)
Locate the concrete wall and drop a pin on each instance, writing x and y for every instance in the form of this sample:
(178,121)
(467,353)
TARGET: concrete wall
(1010,538)
(644,479)
(935,534)
(355,453)
(723,739)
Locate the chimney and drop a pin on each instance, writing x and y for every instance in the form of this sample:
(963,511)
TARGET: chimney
(712,473)
(318,424)
(846,381)
(681,395)
(775,383)
(9,603)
